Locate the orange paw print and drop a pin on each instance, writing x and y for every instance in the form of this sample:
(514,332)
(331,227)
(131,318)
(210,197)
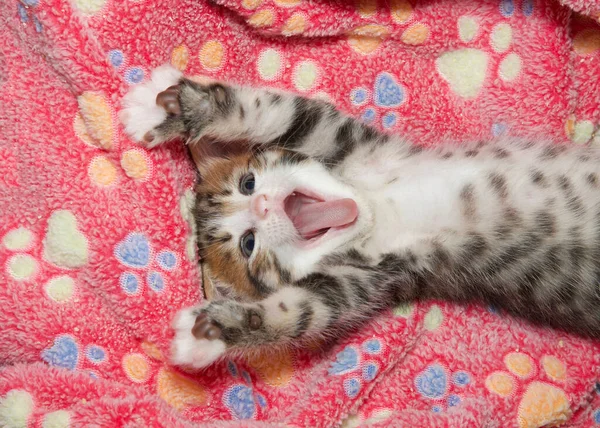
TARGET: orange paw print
(542,402)
(95,125)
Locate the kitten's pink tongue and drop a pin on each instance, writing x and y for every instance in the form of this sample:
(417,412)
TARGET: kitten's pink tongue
(315,216)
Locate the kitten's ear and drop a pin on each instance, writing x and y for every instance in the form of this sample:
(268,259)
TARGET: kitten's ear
(208,150)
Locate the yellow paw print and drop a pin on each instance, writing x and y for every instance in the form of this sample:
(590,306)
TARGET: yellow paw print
(542,403)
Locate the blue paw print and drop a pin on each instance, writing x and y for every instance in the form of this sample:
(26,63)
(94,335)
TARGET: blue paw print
(64,353)
(232,368)
(134,75)
(134,251)
(352,387)
(388,93)
(368,116)
(372,346)
(240,401)
(129,283)
(507,8)
(597,417)
(527,7)
(23,9)
(95,354)
(155,281)
(116,58)
(461,379)
(453,400)
(389,120)
(369,372)
(167,260)
(432,382)
(358,96)
(499,129)
(346,361)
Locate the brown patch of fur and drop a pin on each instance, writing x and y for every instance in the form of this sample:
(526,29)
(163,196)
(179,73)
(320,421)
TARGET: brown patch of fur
(231,268)
(222,258)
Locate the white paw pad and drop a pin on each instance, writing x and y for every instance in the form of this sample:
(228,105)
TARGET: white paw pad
(139,113)
(189,351)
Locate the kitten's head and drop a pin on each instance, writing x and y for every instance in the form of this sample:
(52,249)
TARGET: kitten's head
(267,218)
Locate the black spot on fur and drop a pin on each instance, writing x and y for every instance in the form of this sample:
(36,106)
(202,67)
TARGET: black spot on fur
(498,183)
(538,178)
(368,133)
(474,247)
(447,155)
(546,223)
(592,179)
(305,119)
(329,289)
(344,142)
(574,202)
(551,152)
(415,150)
(283,307)
(471,153)
(467,197)
(501,153)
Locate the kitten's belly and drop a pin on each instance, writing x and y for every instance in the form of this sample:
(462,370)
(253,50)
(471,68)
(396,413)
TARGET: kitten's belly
(405,214)
(428,202)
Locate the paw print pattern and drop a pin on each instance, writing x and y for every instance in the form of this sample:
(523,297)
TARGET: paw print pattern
(466,69)
(358,364)
(132,74)
(366,39)
(136,252)
(17,408)
(64,245)
(542,402)
(436,383)
(386,95)
(240,398)
(25,9)
(95,125)
(65,353)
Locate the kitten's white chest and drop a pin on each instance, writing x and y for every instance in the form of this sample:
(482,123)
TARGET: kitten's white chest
(417,206)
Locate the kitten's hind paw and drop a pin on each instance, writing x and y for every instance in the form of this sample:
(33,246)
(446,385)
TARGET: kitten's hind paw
(197,341)
(150,107)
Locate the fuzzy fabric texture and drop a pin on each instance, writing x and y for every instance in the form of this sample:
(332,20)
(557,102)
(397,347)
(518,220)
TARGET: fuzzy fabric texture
(96,249)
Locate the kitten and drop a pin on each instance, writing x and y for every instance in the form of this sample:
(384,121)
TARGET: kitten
(326,221)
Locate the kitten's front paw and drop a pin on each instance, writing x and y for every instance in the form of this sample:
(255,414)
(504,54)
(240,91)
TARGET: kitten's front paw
(197,342)
(149,105)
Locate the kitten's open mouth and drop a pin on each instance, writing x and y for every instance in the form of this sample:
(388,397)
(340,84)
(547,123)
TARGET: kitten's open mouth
(313,216)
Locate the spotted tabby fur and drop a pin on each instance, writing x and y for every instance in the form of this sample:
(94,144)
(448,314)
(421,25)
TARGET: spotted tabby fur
(511,224)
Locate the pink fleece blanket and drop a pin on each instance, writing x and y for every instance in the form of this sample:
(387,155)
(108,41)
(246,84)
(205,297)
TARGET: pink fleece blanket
(96,251)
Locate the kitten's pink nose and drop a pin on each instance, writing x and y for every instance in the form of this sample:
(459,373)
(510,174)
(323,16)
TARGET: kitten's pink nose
(260,206)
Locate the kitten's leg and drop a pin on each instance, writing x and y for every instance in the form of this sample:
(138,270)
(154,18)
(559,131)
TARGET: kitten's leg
(228,113)
(204,334)
(140,112)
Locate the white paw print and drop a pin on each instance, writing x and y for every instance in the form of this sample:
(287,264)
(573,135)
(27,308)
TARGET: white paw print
(63,245)
(467,68)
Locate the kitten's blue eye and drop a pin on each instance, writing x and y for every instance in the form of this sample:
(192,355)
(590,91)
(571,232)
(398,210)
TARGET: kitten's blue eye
(247,243)
(247,184)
